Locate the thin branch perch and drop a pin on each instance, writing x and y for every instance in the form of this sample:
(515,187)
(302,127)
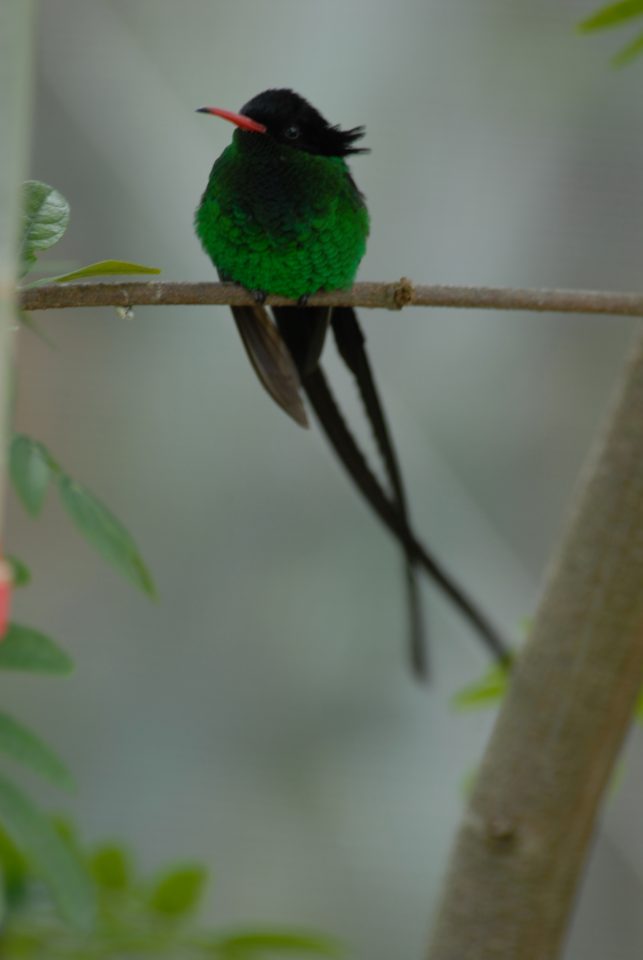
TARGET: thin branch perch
(391,296)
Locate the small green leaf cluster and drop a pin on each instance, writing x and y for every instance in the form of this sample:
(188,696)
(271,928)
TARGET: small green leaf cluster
(57,899)
(135,916)
(45,220)
(29,833)
(614,15)
(32,469)
(27,828)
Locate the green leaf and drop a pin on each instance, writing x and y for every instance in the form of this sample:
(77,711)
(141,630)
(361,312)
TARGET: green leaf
(66,830)
(23,745)
(25,649)
(612,15)
(19,571)
(14,871)
(250,943)
(30,468)
(629,52)
(110,866)
(45,219)
(63,872)
(27,264)
(103,268)
(27,321)
(104,531)
(178,892)
(484,692)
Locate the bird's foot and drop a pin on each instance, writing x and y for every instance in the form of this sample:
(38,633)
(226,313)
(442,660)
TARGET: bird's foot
(303,300)
(259,296)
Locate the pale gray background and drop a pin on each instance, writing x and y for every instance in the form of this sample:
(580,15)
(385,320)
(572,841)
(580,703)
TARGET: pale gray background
(260,717)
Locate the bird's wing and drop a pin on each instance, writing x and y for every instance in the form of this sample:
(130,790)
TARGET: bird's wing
(271,360)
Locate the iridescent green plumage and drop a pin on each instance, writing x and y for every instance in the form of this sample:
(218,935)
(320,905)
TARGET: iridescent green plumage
(280,220)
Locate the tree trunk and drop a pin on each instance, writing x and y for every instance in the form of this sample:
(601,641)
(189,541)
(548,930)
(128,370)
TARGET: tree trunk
(523,842)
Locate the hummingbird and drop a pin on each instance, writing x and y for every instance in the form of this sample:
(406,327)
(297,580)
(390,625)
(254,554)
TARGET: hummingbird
(281,214)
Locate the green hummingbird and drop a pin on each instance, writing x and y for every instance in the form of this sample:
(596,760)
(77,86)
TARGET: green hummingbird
(281,214)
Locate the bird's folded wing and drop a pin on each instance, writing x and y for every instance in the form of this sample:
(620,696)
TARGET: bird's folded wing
(271,360)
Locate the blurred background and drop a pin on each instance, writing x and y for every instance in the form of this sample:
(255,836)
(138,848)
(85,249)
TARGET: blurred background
(261,717)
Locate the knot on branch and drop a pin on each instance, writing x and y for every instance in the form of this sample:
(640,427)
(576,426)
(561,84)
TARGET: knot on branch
(501,832)
(497,831)
(401,293)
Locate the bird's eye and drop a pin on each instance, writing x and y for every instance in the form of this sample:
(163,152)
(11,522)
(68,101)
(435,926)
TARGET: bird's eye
(291,133)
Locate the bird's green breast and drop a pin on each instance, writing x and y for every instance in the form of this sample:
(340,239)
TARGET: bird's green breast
(280,220)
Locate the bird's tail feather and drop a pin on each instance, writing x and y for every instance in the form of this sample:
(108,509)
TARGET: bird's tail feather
(351,456)
(350,341)
(303,331)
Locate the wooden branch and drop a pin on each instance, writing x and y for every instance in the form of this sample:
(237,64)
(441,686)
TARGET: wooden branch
(523,842)
(391,296)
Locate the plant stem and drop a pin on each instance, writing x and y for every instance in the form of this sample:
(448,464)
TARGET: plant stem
(16,32)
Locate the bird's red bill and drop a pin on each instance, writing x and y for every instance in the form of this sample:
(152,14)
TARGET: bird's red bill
(246,123)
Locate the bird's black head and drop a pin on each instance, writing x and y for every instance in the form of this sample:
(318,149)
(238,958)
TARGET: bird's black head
(289,119)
